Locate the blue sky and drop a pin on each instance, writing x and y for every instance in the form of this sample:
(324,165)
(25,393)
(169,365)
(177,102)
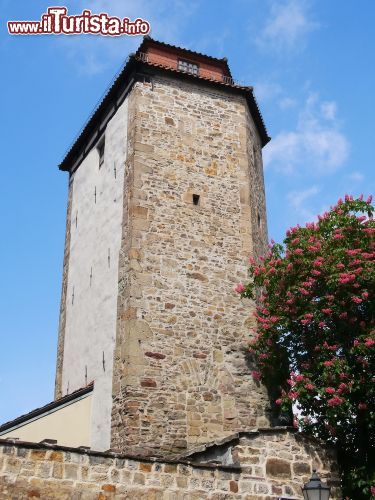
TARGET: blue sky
(312,66)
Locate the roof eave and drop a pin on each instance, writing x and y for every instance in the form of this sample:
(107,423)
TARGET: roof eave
(116,91)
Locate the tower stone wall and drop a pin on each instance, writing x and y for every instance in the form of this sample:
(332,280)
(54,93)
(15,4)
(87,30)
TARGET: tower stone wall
(194,211)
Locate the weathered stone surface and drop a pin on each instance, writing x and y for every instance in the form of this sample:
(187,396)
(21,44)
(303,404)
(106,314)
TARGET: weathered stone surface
(193,212)
(277,467)
(119,477)
(64,289)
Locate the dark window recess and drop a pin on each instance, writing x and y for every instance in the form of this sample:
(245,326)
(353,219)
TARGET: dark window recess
(196,199)
(188,67)
(259,221)
(101,148)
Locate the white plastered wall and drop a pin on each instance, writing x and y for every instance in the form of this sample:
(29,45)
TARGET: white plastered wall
(91,308)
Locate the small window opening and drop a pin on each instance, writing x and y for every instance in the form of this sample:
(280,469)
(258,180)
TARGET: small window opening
(188,67)
(259,221)
(196,199)
(101,148)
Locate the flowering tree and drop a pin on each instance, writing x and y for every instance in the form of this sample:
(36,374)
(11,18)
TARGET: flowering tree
(315,341)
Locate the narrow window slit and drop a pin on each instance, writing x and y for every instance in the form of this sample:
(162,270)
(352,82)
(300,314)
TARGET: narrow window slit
(100,148)
(196,198)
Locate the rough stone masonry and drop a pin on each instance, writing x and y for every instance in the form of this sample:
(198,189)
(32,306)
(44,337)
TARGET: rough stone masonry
(267,465)
(194,211)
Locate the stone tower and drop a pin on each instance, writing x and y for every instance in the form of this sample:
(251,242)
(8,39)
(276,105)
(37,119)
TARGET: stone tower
(166,204)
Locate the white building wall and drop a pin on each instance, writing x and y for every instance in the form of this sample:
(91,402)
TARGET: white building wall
(91,308)
(69,425)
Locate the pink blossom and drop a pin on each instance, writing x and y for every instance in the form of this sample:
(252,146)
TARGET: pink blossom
(335,401)
(256,375)
(356,343)
(355,262)
(308,315)
(343,315)
(315,272)
(373,490)
(330,390)
(362,406)
(295,241)
(299,378)
(354,251)
(369,199)
(365,295)
(357,300)
(328,363)
(293,395)
(303,291)
(278,401)
(239,288)
(327,311)
(309,387)
(318,262)
(321,324)
(289,266)
(305,322)
(369,342)
(263,356)
(338,236)
(298,251)
(367,255)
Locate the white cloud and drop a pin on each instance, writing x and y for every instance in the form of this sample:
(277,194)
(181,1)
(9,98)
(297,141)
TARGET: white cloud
(316,145)
(266,91)
(287,103)
(329,110)
(355,177)
(287,27)
(297,201)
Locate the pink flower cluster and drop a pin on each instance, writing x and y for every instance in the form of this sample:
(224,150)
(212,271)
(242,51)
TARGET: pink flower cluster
(335,401)
(239,288)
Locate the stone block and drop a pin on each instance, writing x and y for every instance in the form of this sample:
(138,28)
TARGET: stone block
(278,468)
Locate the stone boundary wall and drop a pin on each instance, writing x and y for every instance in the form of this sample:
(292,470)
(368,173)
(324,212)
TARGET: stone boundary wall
(272,465)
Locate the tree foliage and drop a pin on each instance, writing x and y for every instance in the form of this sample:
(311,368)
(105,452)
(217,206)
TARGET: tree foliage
(315,340)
